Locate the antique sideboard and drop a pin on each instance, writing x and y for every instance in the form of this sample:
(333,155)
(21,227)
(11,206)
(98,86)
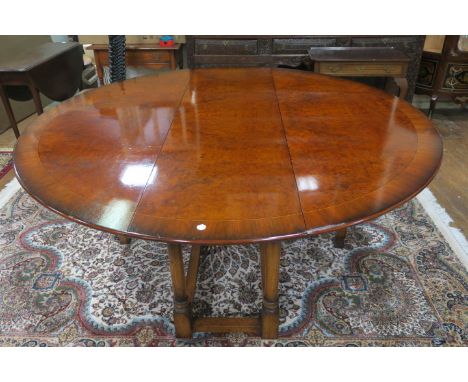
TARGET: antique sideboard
(243,51)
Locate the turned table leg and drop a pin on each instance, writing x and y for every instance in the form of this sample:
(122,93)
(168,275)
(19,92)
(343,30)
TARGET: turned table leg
(182,311)
(184,287)
(270,262)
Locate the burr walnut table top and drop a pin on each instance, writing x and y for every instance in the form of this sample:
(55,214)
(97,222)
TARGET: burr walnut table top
(223,156)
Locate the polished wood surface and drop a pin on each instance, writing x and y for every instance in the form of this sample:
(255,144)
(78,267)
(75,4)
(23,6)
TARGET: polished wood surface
(224,156)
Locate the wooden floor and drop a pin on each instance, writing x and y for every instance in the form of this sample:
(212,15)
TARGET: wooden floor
(450,186)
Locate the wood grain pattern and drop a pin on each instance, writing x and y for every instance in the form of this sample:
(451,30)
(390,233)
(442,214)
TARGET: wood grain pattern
(223,156)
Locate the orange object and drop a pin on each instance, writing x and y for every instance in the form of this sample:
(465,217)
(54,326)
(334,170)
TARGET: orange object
(166,43)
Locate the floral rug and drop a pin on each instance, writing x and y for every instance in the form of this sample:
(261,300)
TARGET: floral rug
(396,283)
(6,161)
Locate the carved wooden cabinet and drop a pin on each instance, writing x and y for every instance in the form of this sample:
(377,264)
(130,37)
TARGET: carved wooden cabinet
(444,70)
(243,51)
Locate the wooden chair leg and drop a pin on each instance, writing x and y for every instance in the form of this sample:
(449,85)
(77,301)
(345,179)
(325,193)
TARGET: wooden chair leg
(182,311)
(340,238)
(270,262)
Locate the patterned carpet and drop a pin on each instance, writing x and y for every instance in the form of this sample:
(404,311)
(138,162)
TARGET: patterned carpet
(6,161)
(396,283)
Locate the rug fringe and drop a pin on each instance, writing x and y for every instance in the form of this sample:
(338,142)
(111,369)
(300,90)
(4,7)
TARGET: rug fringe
(442,220)
(8,191)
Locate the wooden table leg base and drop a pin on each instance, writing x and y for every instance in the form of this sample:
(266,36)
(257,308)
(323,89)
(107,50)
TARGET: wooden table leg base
(340,237)
(182,319)
(184,286)
(250,325)
(124,239)
(270,319)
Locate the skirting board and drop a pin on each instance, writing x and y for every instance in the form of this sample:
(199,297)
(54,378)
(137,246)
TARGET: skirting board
(437,213)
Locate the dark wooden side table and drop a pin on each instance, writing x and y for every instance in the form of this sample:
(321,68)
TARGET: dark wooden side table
(53,69)
(363,62)
(148,55)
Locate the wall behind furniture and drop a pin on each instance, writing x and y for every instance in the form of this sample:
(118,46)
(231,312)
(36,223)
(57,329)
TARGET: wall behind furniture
(9,47)
(434,43)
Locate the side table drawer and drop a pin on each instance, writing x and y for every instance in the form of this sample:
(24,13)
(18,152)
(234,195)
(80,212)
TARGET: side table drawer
(362,68)
(143,57)
(138,57)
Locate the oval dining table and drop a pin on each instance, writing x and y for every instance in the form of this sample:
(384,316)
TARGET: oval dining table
(227,156)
